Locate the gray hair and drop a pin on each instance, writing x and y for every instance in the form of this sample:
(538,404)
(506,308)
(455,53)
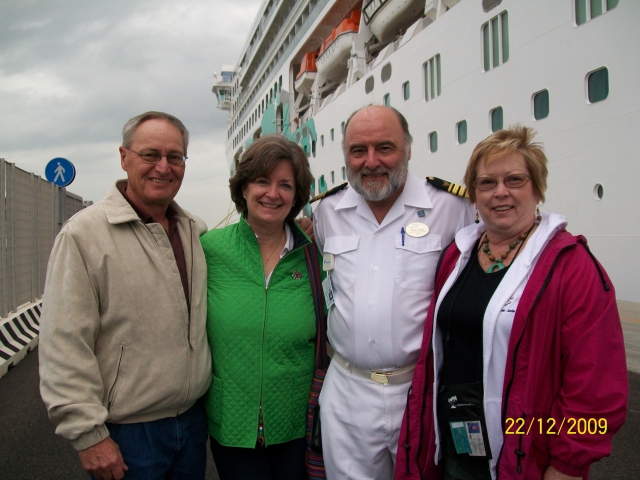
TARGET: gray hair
(408,139)
(132,125)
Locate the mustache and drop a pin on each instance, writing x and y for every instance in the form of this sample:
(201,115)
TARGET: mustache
(375,171)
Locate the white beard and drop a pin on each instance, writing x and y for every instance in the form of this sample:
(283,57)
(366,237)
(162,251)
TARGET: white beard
(375,193)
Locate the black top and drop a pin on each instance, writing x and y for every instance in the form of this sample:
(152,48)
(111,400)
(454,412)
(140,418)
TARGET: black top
(460,319)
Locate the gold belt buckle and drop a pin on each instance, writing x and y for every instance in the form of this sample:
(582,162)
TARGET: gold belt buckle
(380,377)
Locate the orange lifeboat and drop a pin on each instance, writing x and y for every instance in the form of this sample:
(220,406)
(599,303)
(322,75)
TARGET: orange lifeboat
(307,74)
(336,48)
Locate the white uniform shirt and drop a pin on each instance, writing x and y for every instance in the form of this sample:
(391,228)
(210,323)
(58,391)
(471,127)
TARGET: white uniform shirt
(382,288)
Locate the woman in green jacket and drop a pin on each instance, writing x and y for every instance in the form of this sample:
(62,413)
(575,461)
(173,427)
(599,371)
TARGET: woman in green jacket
(261,320)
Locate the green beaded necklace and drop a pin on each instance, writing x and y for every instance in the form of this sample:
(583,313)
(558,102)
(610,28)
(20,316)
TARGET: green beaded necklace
(499,261)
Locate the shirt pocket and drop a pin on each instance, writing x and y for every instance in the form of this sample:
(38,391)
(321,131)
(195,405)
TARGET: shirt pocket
(344,250)
(416,261)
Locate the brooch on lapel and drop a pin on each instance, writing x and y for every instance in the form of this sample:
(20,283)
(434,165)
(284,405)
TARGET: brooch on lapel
(296,275)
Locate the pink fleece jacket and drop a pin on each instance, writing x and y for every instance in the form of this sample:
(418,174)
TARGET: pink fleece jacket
(566,361)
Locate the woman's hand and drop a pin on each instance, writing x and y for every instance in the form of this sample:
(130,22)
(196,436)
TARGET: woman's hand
(553,474)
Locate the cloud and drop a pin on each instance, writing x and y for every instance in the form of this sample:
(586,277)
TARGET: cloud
(72,72)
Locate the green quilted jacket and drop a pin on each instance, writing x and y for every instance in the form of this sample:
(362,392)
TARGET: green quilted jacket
(262,339)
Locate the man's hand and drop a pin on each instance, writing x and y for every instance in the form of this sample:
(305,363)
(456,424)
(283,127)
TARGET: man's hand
(103,460)
(307,225)
(553,474)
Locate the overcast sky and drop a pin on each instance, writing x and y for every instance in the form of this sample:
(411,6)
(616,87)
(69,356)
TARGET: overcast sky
(72,72)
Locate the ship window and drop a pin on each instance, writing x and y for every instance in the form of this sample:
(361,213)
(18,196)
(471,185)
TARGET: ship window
(406,91)
(386,100)
(333,177)
(298,137)
(433,142)
(495,41)
(313,148)
(313,188)
(541,105)
(598,85)
(322,185)
(598,191)
(322,140)
(342,128)
(385,74)
(331,131)
(432,78)
(496,119)
(586,10)
(368,85)
(489,4)
(461,132)
(344,173)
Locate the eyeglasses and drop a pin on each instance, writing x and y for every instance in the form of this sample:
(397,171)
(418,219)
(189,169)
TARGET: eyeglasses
(174,159)
(484,184)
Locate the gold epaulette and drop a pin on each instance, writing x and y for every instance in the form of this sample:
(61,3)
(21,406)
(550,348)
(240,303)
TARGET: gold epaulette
(452,188)
(328,193)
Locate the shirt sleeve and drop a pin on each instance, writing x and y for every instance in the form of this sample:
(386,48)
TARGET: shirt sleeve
(70,382)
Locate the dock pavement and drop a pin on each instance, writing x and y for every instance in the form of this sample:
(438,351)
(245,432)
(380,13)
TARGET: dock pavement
(29,448)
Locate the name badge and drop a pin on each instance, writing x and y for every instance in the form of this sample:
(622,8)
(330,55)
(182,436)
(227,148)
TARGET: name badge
(327,288)
(417,229)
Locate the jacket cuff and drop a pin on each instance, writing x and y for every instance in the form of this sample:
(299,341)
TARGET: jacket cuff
(569,469)
(91,438)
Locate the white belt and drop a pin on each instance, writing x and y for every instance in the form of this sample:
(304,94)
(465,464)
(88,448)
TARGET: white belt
(400,375)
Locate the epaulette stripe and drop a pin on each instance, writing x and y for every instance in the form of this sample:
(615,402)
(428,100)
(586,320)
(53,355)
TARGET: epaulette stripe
(449,187)
(328,193)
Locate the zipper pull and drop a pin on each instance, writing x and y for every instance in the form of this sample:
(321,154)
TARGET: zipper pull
(260,429)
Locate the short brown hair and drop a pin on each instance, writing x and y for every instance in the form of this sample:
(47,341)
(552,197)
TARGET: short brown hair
(516,138)
(261,158)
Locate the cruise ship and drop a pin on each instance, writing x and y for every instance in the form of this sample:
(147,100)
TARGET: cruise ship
(459,70)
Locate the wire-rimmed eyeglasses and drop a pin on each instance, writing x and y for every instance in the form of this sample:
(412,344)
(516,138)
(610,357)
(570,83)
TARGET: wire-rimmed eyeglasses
(518,180)
(174,159)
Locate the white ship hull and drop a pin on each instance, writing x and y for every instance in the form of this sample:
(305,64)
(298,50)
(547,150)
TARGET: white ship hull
(590,145)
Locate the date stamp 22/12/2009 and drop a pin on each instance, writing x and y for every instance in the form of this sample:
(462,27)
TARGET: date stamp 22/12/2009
(550,426)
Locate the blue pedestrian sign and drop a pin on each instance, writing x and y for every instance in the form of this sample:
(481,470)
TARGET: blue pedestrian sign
(60,171)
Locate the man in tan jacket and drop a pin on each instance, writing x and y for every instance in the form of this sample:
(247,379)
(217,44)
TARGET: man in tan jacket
(123,347)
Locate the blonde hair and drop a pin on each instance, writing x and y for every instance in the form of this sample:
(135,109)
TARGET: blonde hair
(516,138)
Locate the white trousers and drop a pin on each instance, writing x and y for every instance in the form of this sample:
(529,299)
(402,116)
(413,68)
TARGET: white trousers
(360,425)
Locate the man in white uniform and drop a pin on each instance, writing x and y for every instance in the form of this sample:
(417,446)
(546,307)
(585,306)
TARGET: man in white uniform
(385,233)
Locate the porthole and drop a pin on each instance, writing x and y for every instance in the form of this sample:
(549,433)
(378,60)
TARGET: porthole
(598,191)
(497,119)
(385,74)
(541,105)
(598,85)
(368,85)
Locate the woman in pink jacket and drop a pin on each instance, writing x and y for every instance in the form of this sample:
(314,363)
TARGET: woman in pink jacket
(522,373)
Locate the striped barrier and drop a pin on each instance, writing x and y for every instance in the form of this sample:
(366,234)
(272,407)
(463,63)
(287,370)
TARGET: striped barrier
(19,335)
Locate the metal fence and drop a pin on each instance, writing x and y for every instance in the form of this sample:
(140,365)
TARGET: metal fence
(32,212)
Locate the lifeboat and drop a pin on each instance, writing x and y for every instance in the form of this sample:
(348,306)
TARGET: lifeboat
(336,48)
(386,18)
(307,74)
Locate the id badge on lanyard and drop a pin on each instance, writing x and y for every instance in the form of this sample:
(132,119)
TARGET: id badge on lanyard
(461,410)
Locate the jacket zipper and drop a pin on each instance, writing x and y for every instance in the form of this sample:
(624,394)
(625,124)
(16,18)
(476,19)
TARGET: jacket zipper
(515,358)
(261,429)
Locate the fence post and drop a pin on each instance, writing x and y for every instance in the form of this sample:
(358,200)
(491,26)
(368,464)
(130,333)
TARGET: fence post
(3,243)
(10,216)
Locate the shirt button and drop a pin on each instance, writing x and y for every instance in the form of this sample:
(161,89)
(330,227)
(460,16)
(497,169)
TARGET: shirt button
(377,234)
(372,304)
(372,342)
(375,268)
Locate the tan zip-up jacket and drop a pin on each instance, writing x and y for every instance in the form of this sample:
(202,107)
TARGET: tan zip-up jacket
(117,343)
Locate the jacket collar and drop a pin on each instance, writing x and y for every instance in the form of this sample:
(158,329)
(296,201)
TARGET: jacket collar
(300,239)
(118,209)
(549,225)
